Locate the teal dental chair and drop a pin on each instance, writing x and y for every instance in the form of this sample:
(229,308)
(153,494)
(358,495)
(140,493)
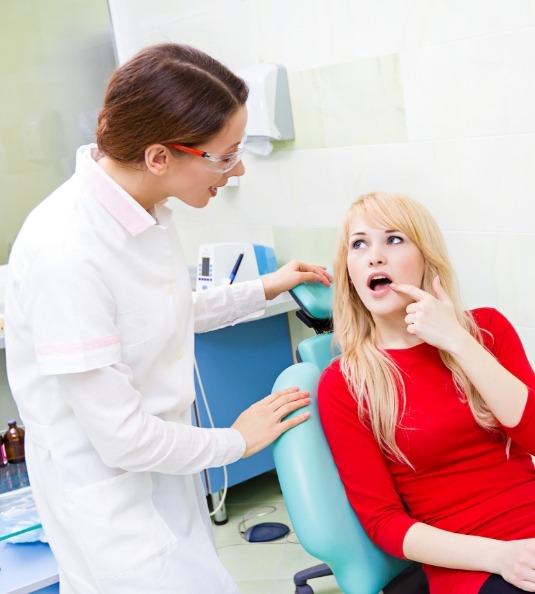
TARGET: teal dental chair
(321,515)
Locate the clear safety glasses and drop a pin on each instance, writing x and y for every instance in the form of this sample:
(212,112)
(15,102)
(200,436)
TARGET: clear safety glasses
(216,163)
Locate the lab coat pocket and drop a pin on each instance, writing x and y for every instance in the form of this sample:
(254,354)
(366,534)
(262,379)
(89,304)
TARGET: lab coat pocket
(117,524)
(135,325)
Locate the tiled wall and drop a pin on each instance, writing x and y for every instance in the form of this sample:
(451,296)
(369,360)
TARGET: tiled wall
(432,99)
(55,57)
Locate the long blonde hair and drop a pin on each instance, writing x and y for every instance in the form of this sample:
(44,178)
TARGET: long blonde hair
(372,376)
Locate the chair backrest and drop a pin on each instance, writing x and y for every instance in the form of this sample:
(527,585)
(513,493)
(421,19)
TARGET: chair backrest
(321,515)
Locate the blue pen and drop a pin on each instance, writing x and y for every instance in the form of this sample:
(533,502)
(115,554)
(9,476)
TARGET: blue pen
(235,269)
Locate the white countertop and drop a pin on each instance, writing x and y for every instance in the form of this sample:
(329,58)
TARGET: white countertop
(281,304)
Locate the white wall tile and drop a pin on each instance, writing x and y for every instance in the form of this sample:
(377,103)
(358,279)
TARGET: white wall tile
(473,256)
(496,270)
(227,20)
(192,236)
(472,184)
(527,336)
(476,87)
(515,276)
(217,27)
(317,188)
(311,33)
(428,23)
(497,184)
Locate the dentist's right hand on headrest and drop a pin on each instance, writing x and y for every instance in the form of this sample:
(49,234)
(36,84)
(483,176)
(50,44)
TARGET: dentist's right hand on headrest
(292,274)
(263,422)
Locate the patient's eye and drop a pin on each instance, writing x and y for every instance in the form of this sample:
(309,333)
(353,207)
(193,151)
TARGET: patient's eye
(394,239)
(359,244)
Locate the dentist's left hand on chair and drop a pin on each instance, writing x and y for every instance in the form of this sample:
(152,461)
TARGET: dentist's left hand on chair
(292,274)
(266,420)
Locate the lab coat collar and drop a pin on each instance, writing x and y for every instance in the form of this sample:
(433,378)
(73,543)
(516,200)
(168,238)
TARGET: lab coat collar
(121,205)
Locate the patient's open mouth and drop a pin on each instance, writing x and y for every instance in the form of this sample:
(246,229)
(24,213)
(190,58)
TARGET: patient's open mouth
(379,282)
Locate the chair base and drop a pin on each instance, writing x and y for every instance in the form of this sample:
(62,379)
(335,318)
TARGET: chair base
(301,577)
(411,580)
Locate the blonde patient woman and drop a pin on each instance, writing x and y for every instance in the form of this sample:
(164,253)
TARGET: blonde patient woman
(430,410)
(100,329)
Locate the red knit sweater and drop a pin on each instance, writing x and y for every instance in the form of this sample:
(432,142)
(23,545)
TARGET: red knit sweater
(462,480)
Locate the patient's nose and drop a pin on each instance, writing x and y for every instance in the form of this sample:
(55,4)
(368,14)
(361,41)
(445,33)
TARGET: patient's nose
(376,256)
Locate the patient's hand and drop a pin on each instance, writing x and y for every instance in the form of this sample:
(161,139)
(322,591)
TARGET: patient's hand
(518,563)
(431,317)
(263,421)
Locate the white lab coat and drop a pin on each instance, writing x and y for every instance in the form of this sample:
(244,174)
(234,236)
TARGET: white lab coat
(100,325)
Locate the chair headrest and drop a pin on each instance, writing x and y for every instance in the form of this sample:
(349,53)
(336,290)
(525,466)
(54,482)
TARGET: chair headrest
(315,301)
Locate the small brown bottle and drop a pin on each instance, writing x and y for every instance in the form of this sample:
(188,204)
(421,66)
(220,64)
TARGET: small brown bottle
(14,443)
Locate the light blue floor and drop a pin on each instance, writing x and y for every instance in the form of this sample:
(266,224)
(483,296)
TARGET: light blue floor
(263,568)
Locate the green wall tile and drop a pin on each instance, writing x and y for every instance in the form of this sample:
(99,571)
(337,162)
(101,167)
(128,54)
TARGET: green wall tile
(55,59)
(305,96)
(355,103)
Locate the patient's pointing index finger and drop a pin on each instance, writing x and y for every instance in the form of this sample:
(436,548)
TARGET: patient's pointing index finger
(409,290)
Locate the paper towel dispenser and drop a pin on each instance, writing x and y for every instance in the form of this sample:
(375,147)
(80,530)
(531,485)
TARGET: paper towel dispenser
(268,104)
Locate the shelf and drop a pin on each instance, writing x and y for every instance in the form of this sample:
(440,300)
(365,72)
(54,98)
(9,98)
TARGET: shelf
(28,568)
(18,514)
(283,303)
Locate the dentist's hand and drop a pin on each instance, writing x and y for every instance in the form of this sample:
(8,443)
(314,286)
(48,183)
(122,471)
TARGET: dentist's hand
(431,318)
(293,274)
(263,422)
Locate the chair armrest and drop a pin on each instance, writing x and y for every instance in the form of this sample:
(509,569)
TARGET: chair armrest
(318,350)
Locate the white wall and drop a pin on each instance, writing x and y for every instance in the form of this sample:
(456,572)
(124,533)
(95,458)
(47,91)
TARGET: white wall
(432,99)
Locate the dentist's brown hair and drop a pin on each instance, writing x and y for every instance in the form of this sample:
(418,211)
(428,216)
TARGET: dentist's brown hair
(166,93)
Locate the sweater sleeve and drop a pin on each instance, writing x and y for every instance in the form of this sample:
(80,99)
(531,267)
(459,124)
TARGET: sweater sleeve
(503,341)
(361,465)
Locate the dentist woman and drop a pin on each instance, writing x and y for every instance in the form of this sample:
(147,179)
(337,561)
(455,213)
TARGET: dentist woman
(100,332)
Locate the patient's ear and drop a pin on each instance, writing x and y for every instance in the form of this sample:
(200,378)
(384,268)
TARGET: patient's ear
(157,158)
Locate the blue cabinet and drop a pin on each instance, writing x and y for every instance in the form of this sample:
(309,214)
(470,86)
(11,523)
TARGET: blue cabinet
(238,366)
